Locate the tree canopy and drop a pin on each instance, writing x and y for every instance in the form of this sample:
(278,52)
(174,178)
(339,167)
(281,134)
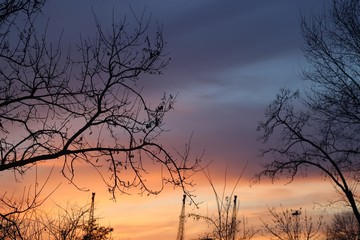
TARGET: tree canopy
(319,127)
(85,105)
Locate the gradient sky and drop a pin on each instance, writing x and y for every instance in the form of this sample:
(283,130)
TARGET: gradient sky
(229,59)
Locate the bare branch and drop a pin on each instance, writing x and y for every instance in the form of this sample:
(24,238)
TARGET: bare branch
(319,128)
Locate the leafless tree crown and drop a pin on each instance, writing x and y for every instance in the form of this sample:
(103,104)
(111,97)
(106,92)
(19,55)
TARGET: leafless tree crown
(84,105)
(292,225)
(319,128)
(342,227)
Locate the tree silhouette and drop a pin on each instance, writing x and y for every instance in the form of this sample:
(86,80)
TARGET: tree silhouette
(10,8)
(70,222)
(17,211)
(98,232)
(342,227)
(320,127)
(87,106)
(292,225)
(224,223)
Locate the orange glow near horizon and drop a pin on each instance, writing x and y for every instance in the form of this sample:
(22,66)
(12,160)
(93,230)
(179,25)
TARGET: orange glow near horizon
(157,217)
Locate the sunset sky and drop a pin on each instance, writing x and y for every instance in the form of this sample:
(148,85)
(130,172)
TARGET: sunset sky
(229,59)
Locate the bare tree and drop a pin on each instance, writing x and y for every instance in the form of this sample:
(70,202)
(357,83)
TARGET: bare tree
(70,222)
(320,127)
(82,105)
(17,210)
(9,9)
(225,223)
(342,227)
(86,107)
(245,231)
(63,223)
(292,225)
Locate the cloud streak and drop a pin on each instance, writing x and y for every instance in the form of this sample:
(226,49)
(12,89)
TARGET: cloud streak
(228,61)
